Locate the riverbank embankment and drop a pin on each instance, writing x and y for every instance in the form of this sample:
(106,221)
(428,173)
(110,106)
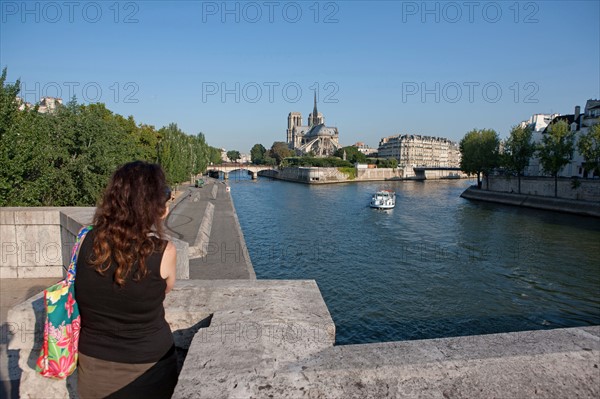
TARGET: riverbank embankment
(585,208)
(331,175)
(576,196)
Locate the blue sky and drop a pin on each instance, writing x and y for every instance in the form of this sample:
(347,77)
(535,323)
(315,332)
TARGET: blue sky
(234,70)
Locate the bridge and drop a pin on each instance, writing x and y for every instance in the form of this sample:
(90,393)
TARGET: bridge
(226,169)
(436,172)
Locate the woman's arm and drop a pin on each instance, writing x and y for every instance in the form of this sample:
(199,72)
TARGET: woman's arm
(168,265)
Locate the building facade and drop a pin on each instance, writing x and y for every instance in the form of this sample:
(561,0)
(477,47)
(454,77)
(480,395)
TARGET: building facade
(537,123)
(314,138)
(580,123)
(46,104)
(411,150)
(365,149)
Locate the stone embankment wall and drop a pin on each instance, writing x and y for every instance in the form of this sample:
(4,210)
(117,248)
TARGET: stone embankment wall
(378,174)
(585,208)
(588,189)
(315,175)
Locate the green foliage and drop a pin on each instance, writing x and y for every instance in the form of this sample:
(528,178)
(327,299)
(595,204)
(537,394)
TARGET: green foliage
(65,158)
(386,163)
(257,154)
(267,160)
(214,156)
(589,147)
(479,152)
(8,104)
(518,150)
(350,171)
(557,147)
(353,155)
(280,150)
(181,155)
(233,155)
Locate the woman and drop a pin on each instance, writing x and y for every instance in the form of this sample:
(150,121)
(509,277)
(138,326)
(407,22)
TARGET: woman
(124,270)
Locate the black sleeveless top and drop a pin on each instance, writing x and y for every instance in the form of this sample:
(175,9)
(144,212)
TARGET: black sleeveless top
(121,324)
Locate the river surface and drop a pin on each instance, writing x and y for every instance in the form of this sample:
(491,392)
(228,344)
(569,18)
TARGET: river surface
(435,266)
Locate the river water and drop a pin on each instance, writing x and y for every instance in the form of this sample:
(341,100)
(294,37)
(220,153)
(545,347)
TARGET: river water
(435,266)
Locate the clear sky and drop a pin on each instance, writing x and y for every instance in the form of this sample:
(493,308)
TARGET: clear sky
(234,70)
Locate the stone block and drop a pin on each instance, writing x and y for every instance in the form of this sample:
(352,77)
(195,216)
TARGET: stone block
(9,247)
(8,272)
(68,241)
(41,271)
(30,216)
(73,226)
(39,245)
(52,216)
(7,217)
(183,261)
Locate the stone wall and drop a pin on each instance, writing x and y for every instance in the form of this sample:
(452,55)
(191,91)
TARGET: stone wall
(235,320)
(317,175)
(379,174)
(585,208)
(588,190)
(37,242)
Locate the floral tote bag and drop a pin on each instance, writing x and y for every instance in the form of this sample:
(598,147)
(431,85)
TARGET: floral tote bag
(58,357)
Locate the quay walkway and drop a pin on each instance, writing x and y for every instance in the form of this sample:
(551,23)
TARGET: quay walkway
(210,211)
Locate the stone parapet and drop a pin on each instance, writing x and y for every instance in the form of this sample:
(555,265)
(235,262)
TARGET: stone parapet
(272,320)
(37,242)
(266,339)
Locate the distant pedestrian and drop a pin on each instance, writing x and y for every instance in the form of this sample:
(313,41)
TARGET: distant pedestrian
(124,271)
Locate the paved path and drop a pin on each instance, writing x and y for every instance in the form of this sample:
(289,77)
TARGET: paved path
(227,257)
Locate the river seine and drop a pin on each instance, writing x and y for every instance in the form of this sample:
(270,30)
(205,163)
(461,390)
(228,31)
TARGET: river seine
(435,266)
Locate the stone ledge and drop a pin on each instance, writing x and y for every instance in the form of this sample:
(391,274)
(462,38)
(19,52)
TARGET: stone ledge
(37,242)
(237,309)
(545,364)
(261,338)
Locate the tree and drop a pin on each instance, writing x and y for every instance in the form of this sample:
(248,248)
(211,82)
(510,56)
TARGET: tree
(479,152)
(589,147)
(556,149)
(280,150)
(257,154)
(518,150)
(353,155)
(65,157)
(269,161)
(233,155)
(214,156)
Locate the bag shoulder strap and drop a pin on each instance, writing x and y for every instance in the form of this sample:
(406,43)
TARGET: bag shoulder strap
(75,252)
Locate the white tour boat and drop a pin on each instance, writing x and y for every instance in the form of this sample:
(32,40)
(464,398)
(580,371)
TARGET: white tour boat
(384,199)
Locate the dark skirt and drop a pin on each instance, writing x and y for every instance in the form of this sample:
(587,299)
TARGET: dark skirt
(98,378)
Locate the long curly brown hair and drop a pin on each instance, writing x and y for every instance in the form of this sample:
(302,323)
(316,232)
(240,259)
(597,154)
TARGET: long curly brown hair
(128,221)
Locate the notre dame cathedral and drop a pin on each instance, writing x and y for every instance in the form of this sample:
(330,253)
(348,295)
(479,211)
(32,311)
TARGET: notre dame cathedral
(314,138)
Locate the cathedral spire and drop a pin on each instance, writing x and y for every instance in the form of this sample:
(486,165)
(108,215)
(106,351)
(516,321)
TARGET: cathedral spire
(315,115)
